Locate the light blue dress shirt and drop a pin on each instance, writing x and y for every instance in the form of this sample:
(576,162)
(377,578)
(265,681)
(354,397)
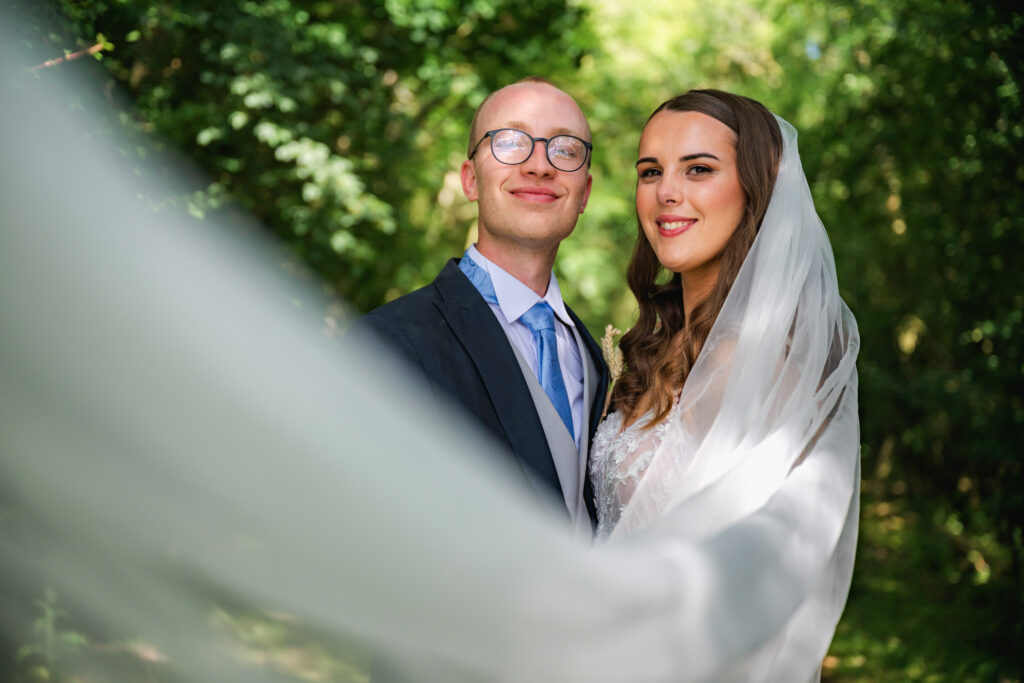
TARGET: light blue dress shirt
(515,299)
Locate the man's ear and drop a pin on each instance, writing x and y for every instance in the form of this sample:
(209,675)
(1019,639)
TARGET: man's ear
(468,175)
(586,192)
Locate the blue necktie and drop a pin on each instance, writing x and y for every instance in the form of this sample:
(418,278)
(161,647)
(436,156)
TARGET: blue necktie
(540,320)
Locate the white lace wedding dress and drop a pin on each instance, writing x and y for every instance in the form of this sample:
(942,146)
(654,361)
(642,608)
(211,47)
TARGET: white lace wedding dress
(620,457)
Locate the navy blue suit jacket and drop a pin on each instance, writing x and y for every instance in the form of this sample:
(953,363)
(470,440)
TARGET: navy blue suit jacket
(448,332)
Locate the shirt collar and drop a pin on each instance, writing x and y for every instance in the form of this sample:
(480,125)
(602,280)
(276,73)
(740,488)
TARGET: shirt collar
(515,298)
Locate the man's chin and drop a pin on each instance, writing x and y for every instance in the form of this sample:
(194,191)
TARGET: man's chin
(541,241)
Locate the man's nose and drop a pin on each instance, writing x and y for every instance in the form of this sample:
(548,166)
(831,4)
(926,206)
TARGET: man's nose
(538,163)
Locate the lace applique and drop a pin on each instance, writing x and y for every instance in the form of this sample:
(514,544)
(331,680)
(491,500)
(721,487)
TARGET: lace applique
(620,457)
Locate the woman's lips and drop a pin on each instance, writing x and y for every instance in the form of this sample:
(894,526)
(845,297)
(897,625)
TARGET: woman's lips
(669,226)
(535,194)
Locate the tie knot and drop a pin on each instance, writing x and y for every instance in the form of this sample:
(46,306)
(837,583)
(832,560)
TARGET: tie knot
(539,317)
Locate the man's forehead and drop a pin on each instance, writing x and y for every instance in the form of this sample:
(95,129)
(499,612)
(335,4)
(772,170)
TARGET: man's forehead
(516,105)
(555,130)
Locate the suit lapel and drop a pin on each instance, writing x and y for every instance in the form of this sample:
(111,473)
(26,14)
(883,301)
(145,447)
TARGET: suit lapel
(479,332)
(601,385)
(597,398)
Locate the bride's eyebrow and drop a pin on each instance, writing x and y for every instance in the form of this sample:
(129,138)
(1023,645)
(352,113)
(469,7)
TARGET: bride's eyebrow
(698,155)
(688,157)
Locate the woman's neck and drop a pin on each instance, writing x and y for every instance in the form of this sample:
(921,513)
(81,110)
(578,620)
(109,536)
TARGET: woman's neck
(697,286)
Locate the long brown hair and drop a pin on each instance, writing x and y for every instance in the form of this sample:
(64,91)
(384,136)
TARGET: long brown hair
(662,347)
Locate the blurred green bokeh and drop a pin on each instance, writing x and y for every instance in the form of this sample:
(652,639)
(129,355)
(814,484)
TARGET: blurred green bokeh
(341,126)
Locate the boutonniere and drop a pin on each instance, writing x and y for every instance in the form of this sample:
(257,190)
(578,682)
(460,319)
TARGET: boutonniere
(613,358)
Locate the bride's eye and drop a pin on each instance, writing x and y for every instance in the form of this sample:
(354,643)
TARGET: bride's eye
(699,169)
(647,173)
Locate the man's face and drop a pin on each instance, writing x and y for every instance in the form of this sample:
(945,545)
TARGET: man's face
(531,206)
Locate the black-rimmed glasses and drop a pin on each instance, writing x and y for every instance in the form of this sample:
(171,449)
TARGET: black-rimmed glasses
(513,147)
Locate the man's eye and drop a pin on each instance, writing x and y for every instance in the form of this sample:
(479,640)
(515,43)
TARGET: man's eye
(566,150)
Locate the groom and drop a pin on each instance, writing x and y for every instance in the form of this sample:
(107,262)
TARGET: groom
(492,331)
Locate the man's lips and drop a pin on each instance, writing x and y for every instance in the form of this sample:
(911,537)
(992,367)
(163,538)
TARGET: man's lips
(542,195)
(669,225)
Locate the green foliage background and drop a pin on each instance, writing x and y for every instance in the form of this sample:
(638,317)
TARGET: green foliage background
(341,125)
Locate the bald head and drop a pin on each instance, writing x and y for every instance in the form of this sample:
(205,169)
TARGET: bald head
(533,87)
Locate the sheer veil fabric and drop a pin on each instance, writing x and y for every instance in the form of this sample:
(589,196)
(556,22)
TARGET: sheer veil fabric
(175,433)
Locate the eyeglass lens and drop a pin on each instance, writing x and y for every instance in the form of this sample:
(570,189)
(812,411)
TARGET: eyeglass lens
(565,152)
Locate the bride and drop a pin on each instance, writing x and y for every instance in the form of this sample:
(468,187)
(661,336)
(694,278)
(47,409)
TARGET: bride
(740,369)
(168,442)
(708,162)
(702,191)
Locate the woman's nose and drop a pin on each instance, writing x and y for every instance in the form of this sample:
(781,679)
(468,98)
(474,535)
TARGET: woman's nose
(670,191)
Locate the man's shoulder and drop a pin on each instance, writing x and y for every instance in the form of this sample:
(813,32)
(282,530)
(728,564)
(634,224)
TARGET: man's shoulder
(401,324)
(423,303)
(418,325)
(415,304)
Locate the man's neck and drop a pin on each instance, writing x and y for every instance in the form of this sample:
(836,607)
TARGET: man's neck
(532,267)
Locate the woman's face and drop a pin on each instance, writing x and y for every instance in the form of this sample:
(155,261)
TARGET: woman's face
(688,194)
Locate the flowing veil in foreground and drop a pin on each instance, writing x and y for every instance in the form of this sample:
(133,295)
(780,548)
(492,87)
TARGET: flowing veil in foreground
(175,432)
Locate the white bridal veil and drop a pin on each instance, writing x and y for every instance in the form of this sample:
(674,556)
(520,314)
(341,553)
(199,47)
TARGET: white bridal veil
(176,433)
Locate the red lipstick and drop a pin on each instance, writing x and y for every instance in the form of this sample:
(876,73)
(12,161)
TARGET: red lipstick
(670,225)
